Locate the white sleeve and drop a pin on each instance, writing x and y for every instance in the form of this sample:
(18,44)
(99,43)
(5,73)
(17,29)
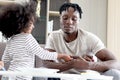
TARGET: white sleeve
(94,43)
(33,46)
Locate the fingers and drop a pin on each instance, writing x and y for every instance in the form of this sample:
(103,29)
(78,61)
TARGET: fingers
(85,58)
(75,57)
(88,58)
(78,57)
(68,59)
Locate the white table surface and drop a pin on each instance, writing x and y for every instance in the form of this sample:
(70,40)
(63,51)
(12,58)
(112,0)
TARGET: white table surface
(57,75)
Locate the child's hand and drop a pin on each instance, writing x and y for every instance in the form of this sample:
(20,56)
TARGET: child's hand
(1,64)
(65,57)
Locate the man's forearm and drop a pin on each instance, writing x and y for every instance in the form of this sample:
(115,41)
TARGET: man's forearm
(103,66)
(54,65)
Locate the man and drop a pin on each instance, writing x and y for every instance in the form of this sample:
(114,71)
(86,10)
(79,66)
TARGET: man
(77,42)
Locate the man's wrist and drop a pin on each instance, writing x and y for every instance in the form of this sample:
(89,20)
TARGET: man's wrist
(90,64)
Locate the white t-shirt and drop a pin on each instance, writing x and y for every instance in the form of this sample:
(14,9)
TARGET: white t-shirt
(85,43)
(20,52)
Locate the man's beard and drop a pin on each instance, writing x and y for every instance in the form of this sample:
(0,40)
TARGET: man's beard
(67,33)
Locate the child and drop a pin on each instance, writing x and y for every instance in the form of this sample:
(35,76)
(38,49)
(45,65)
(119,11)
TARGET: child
(16,24)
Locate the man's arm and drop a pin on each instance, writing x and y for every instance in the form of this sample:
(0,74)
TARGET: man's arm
(61,66)
(55,65)
(108,61)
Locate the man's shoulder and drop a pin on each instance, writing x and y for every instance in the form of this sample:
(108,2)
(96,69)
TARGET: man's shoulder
(85,32)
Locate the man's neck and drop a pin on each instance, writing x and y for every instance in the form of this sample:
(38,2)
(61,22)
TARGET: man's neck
(70,36)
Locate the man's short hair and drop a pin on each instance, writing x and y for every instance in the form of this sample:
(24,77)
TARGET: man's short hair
(76,7)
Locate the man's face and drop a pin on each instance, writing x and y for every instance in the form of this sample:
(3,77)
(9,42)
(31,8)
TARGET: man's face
(69,20)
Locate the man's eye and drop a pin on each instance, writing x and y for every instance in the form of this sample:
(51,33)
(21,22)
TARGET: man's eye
(65,18)
(74,19)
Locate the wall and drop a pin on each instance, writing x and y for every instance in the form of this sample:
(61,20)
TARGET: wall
(113,33)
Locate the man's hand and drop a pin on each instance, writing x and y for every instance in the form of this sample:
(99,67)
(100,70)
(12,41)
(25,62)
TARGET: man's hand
(90,58)
(79,63)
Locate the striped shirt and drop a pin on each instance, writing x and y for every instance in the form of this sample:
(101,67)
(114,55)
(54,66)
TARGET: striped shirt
(21,49)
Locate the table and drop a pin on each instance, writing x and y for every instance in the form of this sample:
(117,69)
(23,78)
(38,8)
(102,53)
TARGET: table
(57,75)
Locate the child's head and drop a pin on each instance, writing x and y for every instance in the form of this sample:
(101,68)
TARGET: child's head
(17,17)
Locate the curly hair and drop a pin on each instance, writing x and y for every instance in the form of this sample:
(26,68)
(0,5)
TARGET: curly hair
(16,17)
(76,7)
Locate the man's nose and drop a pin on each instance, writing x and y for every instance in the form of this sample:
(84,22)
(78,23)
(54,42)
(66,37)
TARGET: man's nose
(69,21)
